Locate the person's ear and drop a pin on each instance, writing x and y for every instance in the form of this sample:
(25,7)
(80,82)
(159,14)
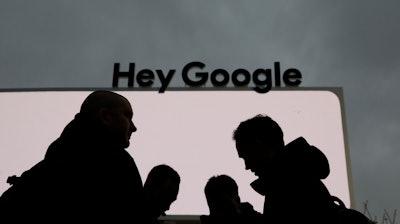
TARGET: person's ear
(105,116)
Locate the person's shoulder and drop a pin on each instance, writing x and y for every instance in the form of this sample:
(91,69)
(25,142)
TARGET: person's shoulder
(298,142)
(206,219)
(247,207)
(249,212)
(349,215)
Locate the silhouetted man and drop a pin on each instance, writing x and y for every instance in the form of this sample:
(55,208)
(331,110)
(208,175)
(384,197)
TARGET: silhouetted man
(289,176)
(160,190)
(87,176)
(224,203)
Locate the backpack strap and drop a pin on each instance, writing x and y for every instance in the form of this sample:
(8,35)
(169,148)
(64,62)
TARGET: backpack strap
(338,202)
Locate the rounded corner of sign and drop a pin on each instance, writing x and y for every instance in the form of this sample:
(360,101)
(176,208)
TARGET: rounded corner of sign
(337,93)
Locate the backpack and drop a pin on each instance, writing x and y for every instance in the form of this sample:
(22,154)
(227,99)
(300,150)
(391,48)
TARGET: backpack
(343,215)
(22,194)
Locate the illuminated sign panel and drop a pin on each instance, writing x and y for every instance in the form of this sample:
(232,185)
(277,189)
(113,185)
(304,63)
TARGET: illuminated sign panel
(188,130)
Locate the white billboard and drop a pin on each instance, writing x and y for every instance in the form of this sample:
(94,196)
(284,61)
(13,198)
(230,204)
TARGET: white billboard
(190,130)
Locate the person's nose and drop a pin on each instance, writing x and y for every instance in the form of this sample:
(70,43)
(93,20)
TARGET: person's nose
(133,127)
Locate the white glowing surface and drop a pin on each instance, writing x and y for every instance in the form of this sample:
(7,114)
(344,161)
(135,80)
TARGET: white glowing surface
(189,130)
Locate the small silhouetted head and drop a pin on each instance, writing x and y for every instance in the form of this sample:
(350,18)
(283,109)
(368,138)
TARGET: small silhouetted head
(161,189)
(222,196)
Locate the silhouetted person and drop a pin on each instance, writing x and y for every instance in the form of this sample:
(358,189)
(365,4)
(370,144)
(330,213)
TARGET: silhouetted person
(160,191)
(87,176)
(224,203)
(289,175)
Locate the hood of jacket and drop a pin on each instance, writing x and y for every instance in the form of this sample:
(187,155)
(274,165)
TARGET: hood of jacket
(82,136)
(297,160)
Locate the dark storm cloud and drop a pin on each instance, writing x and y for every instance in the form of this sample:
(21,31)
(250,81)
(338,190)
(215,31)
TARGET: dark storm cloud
(359,52)
(351,44)
(354,45)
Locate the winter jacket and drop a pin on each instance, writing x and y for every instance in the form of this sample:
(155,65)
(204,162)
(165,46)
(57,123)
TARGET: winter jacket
(82,179)
(293,190)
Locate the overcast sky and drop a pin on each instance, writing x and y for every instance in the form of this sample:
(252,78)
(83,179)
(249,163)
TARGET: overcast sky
(348,44)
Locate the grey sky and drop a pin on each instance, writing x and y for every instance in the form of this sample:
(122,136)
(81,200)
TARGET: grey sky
(350,44)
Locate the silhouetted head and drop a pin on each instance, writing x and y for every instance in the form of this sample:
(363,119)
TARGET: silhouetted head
(114,112)
(222,196)
(258,140)
(161,189)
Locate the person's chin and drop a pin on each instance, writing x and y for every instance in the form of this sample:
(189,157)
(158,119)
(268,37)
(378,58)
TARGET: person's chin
(258,173)
(127,141)
(126,145)
(159,214)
